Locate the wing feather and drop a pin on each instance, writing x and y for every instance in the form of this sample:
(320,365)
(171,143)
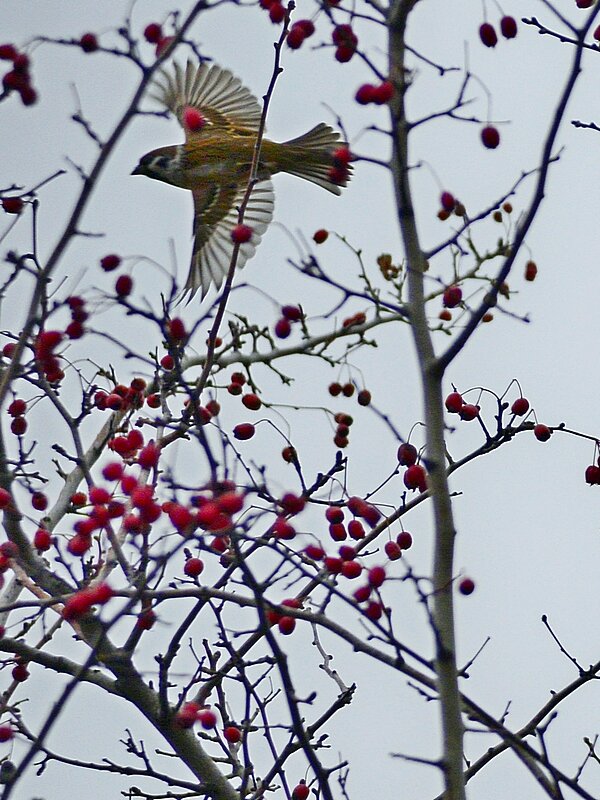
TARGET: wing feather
(217,94)
(216,215)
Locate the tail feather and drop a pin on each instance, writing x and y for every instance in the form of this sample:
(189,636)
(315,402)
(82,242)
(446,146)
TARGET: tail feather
(313,157)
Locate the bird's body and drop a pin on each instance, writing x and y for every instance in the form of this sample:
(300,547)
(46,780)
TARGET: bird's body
(214,163)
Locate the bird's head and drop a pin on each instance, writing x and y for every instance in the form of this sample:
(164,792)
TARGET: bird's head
(161,164)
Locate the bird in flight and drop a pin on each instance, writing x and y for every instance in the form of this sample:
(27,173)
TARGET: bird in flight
(220,118)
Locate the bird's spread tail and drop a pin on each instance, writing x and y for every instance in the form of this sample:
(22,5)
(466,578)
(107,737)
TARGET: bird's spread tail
(311,156)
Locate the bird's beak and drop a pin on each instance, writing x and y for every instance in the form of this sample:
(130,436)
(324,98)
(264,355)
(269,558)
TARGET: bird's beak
(137,170)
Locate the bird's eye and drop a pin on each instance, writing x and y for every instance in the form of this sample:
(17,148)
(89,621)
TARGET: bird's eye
(162,162)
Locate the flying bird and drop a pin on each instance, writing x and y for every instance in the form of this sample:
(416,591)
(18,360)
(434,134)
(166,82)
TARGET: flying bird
(220,118)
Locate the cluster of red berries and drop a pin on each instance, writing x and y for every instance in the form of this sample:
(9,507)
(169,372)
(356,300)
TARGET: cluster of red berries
(289,315)
(456,405)
(379,95)
(191,712)
(299,31)
(153,34)
(339,172)
(45,345)
(345,41)
(394,549)
(342,432)
(82,601)
(363,397)
(79,315)
(448,205)
(356,319)
(19,77)
(415,476)
(17,410)
(284,622)
(122,397)
(250,400)
(488,35)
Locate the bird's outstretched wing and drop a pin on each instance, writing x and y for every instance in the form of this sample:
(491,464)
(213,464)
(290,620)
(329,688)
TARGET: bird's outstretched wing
(215,92)
(215,216)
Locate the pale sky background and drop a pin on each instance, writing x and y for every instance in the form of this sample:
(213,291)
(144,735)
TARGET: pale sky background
(528,524)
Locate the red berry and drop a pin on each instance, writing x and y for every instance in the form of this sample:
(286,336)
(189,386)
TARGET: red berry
(244,431)
(488,35)
(542,432)
(306,25)
(508,26)
(6,733)
(295,38)
(337,532)
(520,407)
(320,236)
(252,401)
(292,503)
(276,12)
(531,267)
(364,397)
(374,611)
(469,412)
(407,454)
(376,576)
(404,540)
(286,625)
(18,426)
(42,540)
(344,52)
(490,137)
(333,564)
(393,550)
(314,551)
(110,262)
(454,403)
(383,93)
(452,296)
(300,792)
(193,567)
(447,201)
(88,42)
(365,94)
(193,121)
(187,715)
(39,501)
(334,514)
(415,477)
(232,734)
(283,328)
(167,362)
(20,673)
(592,475)
(351,569)
(356,530)
(123,285)
(282,529)
(292,313)
(466,586)
(362,594)
(8,52)
(153,33)
(12,205)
